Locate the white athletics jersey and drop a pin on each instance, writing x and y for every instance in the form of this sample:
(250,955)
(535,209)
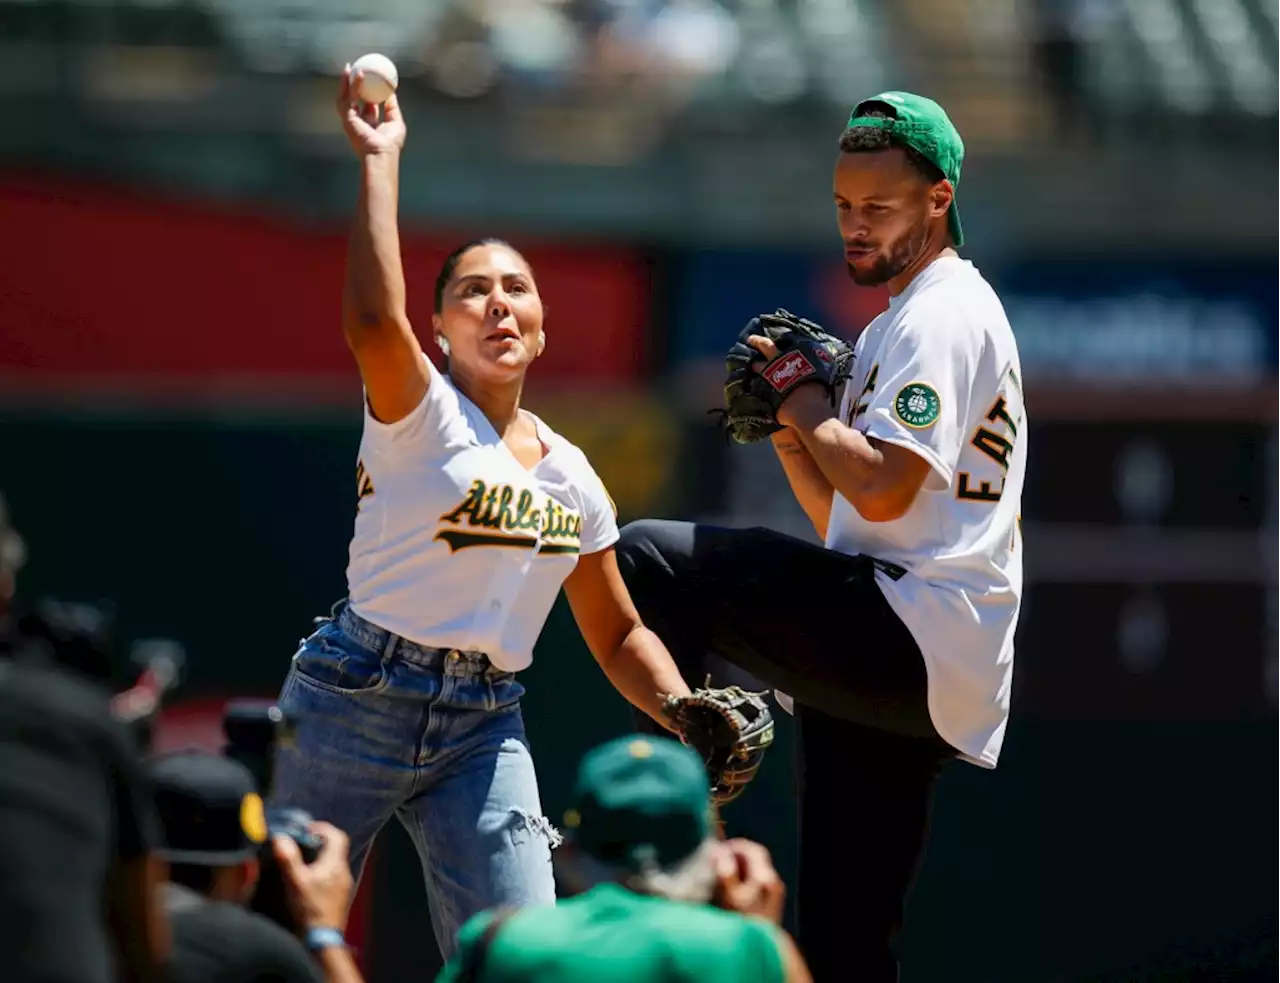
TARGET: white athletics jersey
(938,373)
(458,545)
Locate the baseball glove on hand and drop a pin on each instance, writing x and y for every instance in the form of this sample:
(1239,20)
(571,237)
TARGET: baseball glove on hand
(730,729)
(806,354)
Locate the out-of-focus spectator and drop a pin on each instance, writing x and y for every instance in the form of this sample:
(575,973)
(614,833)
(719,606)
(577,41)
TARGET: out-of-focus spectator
(653,895)
(677,42)
(79,881)
(1057,47)
(214,830)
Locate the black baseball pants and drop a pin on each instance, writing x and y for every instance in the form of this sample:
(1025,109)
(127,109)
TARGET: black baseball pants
(812,623)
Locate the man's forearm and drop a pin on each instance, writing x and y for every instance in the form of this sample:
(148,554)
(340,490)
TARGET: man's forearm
(809,485)
(374,295)
(843,456)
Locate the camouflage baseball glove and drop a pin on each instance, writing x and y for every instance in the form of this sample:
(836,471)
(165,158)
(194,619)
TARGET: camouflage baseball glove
(730,729)
(806,354)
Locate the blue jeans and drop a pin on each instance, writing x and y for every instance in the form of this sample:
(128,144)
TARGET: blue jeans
(434,737)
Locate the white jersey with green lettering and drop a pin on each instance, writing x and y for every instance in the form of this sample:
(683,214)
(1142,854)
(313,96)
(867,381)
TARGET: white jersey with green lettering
(457,544)
(938,373)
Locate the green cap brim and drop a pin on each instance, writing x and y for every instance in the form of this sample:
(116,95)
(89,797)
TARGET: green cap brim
(953,224)
(924,126)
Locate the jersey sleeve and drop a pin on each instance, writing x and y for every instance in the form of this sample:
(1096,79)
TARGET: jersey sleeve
(925,380)
(257,950)
(278,957)
(426,422)
(599,514)
(763,938)
(469,937)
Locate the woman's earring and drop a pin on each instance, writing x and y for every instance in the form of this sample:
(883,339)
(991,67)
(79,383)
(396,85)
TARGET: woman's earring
(542,342)
(443,342)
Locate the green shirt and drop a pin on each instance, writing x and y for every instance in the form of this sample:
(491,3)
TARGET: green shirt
(612,935)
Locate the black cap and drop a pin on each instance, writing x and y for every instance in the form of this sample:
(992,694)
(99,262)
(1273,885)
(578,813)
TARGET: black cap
(210,809)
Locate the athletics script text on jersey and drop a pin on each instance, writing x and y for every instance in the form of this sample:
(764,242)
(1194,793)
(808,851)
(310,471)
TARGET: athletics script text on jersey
(553,529)
(457,544)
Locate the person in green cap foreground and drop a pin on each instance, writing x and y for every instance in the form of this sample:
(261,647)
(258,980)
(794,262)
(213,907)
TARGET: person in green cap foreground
(896,640)
(652,895)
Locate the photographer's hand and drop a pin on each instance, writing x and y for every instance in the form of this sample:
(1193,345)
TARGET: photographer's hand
(747,882)
(319,893)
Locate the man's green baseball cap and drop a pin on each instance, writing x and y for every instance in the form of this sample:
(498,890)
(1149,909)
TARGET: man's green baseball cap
(637,799)
(924,126)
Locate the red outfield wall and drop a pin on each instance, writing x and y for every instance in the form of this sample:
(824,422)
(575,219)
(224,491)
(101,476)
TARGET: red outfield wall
(101,284)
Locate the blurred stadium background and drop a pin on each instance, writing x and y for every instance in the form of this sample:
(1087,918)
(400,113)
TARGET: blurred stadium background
(179,415)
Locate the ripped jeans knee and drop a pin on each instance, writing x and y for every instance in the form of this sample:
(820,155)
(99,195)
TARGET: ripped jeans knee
(483,840)
(525,825)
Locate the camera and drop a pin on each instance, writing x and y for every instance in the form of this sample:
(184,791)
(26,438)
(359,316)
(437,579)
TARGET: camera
(80,639)
(76,637)
(254,733)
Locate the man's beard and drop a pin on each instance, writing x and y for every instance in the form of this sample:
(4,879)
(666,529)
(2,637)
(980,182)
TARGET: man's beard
(903,254)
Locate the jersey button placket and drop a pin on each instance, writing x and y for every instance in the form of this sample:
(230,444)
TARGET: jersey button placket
(506,588)
(499,607)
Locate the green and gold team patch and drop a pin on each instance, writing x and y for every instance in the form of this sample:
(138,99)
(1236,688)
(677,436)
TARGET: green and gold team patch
(917,405)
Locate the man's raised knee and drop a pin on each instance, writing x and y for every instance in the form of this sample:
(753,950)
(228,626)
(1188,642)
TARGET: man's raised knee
(635,534)
(635,543)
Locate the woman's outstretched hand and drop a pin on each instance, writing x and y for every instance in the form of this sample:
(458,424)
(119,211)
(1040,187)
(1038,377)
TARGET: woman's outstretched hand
(371,129)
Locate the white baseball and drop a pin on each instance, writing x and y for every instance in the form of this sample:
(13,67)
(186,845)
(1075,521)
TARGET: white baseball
(380,78)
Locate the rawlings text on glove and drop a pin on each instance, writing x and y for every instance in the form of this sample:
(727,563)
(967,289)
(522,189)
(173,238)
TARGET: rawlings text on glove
(806,354)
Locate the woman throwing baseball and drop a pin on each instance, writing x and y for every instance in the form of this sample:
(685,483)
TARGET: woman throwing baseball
(472,514)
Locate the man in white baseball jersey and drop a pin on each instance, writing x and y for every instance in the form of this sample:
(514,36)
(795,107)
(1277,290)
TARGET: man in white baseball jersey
(896,640)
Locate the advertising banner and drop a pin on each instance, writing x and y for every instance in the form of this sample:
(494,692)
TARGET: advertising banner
(1116,319)
(1091,321)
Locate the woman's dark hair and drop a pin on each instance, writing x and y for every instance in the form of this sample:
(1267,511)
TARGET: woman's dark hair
(451,261)
(870,139)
